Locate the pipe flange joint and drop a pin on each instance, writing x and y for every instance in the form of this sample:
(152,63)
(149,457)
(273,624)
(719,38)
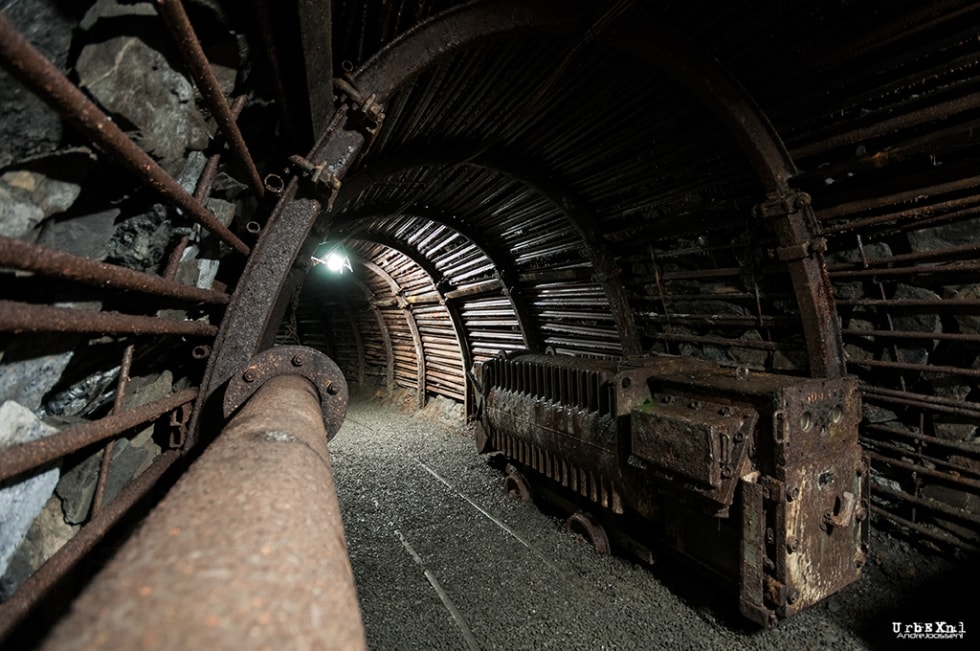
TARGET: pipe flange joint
(316,367)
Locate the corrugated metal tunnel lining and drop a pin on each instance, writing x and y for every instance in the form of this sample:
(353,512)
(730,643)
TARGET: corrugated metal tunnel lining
(550,188)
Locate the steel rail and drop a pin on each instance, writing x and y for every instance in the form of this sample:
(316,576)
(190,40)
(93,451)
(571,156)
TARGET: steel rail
(173,15)
(18,459)
(31,68)
(246,552)
(18,317)
(35,258)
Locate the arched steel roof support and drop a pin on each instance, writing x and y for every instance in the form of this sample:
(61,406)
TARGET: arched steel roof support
(790,214)
(579,217)
(413,326)
(462,340)
(465,26)
(506,274)
(385,337)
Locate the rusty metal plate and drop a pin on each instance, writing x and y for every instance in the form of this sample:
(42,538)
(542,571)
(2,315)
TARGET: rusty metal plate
(319,369)
(701,442)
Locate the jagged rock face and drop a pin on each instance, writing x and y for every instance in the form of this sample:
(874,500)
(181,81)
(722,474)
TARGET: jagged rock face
(21,503)
(160,105)
(29,127)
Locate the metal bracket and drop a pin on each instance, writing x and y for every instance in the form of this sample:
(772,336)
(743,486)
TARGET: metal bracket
(779,205)
(316,367)
(320,177)
(366,107)
(801,250)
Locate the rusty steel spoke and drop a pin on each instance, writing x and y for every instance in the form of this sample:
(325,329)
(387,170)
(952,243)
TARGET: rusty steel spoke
(17,459)
(29,66)
(173,14)
(25,317)
(59,264)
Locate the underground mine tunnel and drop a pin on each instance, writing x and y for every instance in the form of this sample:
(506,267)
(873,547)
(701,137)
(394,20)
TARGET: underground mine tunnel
(694,282)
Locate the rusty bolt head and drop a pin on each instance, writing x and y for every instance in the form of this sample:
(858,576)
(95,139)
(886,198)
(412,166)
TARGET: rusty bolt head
(297,360)
(792,596)
(250,375)
(695,404)
(332,389)
(792,544)
(792,493)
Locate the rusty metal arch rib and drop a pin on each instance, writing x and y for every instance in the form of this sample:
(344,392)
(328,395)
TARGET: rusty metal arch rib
(531,336)
(574,212)
(242,334)
(413,326)
(385,338)
(462,340)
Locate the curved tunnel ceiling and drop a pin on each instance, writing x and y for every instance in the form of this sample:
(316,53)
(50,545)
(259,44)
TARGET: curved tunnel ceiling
(554,189)
(575,176)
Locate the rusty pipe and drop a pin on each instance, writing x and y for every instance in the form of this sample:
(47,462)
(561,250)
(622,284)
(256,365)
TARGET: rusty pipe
(246,552)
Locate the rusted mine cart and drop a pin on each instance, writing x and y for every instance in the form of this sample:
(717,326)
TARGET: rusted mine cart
(757,477)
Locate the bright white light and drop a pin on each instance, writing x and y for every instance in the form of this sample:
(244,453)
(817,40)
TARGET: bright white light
(335,262)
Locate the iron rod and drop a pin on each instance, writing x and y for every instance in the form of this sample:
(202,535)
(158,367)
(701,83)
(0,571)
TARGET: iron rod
(926,531)
(13,611)
(173,14)
(921,368)
(59,264)
(953,478)
(925,438)
(204,183)
(25,317)
(247,550)
(912,334)
(107,451)
(17,459)
(28,65)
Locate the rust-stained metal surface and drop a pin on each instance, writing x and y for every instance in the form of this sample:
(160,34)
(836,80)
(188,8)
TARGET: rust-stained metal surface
(14,611)
(17,459)
(246,552)
(311,364)
(754,475)
(790,190)
(25,317)
(51,262)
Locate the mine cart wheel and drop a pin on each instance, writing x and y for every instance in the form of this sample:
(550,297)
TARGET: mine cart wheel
(516,485)
(583,524)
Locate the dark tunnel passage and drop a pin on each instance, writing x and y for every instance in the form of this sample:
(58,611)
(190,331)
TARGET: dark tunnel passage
(704,273)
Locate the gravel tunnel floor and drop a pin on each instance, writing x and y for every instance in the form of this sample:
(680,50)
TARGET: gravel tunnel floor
(444,559)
